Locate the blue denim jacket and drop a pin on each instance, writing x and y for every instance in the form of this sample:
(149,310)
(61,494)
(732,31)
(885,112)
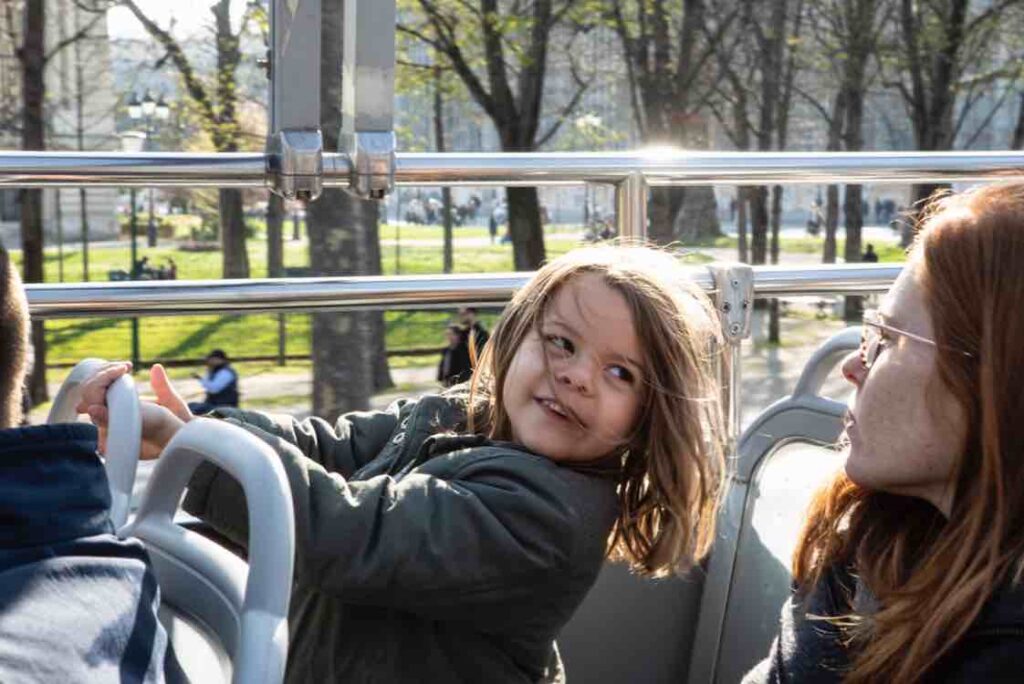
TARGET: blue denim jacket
(76,603)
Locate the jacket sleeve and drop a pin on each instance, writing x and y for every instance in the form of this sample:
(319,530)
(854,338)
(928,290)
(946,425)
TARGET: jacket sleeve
(354,440)
(500,526)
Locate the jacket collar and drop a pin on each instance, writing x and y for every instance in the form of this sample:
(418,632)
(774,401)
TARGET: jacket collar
(53,486)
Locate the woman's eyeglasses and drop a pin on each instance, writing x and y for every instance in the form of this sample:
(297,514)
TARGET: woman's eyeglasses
(871,338)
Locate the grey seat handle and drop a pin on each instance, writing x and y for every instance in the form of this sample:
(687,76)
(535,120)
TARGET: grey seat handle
(124,437)
(825,358)
(263,640)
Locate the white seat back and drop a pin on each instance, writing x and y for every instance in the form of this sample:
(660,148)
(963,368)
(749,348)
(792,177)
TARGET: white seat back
(245,608)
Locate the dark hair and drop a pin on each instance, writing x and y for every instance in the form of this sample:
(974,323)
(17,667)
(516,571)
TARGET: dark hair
(217,354)
(13,341)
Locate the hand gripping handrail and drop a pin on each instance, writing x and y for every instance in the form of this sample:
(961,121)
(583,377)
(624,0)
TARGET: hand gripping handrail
(260,647)
(124,438)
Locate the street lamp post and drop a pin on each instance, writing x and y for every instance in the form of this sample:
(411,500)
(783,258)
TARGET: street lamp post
(134,141)
(149,111)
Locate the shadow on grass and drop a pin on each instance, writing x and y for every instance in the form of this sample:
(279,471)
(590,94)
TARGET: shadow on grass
(197,338)
(73,332)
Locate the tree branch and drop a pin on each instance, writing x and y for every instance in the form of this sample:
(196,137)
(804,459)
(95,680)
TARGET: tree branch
(78,35)
(195,88)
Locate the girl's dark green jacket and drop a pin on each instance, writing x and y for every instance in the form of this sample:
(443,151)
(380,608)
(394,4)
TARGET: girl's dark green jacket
(423,555)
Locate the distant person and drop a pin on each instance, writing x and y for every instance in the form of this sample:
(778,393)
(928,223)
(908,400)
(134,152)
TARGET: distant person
(454,367)
(220,382)
(77,604)
(878,210)
(141,269)
(870,256)
(472,327)
(499,215)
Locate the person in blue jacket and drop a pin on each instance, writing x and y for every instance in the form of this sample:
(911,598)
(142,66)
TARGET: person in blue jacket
(76,603)
(451,537)
(220,383)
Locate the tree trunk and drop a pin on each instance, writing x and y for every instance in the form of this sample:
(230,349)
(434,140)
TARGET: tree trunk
(853,206)
(343,240)
(664,206)
(446,192)
(759,224)
(275,231)
(524,225)
(342,368)
(741,223)
(33,84)
(776,219)
(831,224)
(235,258)
(697,218)
(378,328)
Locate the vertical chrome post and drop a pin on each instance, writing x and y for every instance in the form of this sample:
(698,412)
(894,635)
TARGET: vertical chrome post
(631,207)
(294,143)
(734,300)
(368,94)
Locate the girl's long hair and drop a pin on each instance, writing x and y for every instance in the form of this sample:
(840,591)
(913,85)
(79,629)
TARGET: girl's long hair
(13,341)
(672,465)
(932,576)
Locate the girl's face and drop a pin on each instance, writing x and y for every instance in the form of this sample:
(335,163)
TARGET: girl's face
(572,391)
(906,429)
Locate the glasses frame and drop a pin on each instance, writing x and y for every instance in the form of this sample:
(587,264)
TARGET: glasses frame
(870,348)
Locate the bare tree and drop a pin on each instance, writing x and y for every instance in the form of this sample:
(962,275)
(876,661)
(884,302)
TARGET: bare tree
(217,104)
(949,56)
(668,53)
(506,79)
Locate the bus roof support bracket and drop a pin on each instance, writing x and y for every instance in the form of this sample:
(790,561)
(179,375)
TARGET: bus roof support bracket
(368,95)
(295,146)
(734,298)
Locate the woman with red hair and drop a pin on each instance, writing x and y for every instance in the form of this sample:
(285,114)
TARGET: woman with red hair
(909,565)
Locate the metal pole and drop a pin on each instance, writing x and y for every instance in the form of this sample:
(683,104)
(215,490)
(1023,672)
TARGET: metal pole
(631,207)
(181,297)
(60,240)
(134,274)
(151,225)
(533,169)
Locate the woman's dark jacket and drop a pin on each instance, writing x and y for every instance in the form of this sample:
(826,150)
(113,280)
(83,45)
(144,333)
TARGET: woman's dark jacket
(810,650)
(77,604)
(424,557)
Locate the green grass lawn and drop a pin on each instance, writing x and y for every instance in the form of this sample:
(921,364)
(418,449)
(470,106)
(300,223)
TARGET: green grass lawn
(191,337)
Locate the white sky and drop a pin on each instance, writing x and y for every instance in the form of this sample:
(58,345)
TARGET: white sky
(192,17)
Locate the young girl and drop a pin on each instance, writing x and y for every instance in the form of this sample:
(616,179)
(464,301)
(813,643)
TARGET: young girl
(450,538)
(911,561)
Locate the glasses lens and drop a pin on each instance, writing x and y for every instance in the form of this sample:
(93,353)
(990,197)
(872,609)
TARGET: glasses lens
(868,346)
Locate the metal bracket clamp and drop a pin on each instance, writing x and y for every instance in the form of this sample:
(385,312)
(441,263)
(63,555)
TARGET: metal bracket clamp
(295,164)
(372,156)
(734,298)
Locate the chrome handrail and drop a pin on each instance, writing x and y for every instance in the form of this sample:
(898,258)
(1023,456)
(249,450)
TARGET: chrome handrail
(178,297)
(657,167)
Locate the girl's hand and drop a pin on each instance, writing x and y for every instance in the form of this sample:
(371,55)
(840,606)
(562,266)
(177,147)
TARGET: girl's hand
(160,421)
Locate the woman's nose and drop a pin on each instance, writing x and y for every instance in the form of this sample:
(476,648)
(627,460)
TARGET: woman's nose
(853,369)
